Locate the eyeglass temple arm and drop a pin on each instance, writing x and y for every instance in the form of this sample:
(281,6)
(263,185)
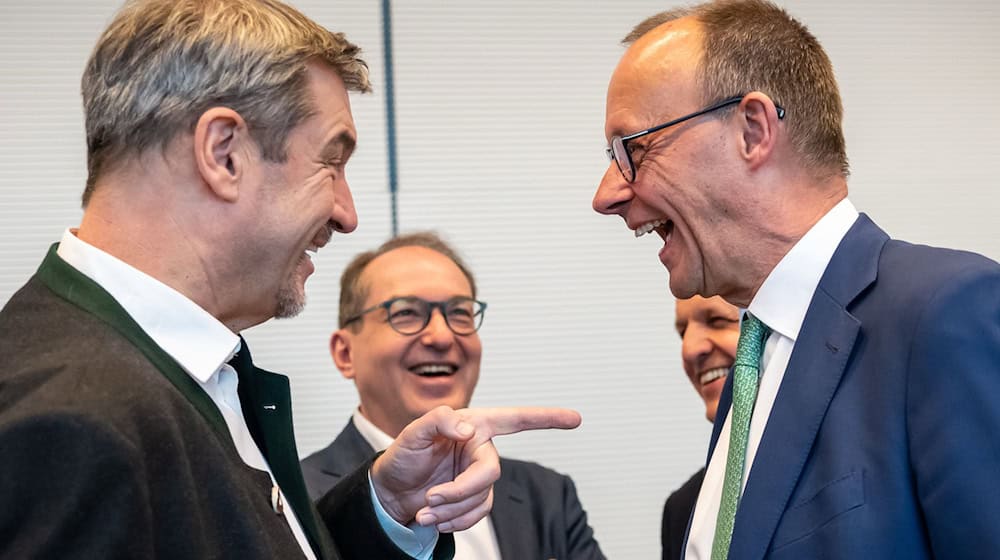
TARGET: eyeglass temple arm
(708,109)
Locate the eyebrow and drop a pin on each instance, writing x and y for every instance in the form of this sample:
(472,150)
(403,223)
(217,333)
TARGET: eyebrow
(340,145)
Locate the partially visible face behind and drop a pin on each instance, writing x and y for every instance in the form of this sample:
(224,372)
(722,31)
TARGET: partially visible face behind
(305,199)
(709,330)
(391,370)
(683,187)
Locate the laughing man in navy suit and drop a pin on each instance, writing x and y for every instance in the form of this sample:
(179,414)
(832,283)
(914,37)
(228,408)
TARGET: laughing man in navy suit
(873,422)
(405,359)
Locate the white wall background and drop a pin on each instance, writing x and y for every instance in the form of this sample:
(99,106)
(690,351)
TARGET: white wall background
(500,127)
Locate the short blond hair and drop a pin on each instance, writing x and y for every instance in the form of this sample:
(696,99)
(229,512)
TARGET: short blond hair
(161,63)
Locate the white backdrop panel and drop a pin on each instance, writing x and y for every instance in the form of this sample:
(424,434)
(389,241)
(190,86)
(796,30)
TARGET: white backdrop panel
(500,131)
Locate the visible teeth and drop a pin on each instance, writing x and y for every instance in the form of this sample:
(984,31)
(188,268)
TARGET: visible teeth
(434,369)
(648,227)
(713,374)
(312,249)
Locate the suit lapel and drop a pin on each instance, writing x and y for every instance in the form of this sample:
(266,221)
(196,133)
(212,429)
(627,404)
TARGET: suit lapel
(722,411)
(511,517)
(77,288)
(814,371)
(813,374)
(267,404)
(347,453)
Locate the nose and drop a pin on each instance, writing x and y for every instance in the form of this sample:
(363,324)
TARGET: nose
(344,216)
(613,193)
(437,334)
(695,346)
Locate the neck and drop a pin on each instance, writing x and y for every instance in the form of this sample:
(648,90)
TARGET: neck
(777,224)
(383,426)
(142,223)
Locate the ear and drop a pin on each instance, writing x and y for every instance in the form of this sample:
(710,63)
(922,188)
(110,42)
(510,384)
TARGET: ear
(342,353)
(220,136)
(760,128)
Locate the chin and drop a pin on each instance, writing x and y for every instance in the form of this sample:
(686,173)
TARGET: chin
(291,302)
(680,287)
(710,414)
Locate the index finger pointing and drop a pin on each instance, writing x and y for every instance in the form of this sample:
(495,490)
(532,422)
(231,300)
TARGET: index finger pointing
(502,421)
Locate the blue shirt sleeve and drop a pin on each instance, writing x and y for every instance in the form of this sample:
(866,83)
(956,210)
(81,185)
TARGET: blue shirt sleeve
(416,540)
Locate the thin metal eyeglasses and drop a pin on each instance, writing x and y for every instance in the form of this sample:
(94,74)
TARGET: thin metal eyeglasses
(618,150)
(410,314)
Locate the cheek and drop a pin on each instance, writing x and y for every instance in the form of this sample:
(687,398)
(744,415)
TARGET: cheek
(316,190)
(473,352)
(729,341)
(675,195)
(473,348)
(695,385)
(381,360)
(693,345)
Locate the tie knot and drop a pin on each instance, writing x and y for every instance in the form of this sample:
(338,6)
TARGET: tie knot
(753,333)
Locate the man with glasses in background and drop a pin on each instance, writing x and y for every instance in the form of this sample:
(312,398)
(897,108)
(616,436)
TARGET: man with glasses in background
(860,419)
(408,339)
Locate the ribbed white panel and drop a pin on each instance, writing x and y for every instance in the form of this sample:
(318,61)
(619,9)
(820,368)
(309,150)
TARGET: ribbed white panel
(500,131)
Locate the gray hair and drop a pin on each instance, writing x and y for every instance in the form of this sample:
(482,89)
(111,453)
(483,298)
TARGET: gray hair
(162,63)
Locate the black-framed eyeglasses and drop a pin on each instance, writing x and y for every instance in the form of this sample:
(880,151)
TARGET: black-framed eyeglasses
(619,152)
(410,314)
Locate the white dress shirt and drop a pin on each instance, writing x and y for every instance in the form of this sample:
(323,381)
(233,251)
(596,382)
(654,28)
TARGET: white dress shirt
(478,542)
(196,340)
(781,304)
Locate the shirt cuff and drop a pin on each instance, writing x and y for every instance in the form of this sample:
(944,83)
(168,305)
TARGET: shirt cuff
(415,539)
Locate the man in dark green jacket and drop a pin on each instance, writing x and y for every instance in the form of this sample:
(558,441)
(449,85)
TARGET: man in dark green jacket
(132,420)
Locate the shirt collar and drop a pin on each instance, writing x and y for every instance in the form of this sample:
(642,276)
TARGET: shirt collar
(375,437)
(190,335)
(784,297)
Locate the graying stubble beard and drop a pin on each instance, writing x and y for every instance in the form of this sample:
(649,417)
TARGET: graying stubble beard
(290,300)
(289,303)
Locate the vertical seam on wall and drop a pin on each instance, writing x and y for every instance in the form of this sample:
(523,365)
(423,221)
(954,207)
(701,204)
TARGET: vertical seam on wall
(390,114)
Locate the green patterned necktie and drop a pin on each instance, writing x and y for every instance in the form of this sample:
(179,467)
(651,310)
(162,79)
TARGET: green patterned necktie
(753,333)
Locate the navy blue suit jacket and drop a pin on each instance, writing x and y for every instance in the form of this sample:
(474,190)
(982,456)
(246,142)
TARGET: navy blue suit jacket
(884,439)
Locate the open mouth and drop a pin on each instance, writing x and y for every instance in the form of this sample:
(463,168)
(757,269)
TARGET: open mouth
(319,241)
(663,228)
(434,370)
(711,375)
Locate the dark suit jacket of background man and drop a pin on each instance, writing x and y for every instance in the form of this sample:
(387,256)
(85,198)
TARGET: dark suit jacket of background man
(676,516)
(883,439)
(110,450)
(536,512)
